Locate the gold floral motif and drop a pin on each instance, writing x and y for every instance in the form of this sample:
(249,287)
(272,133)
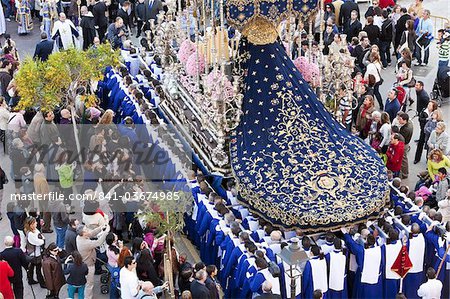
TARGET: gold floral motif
(273,12)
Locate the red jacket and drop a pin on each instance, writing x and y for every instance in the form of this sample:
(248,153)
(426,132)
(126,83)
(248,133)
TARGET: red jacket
(395,156)
(386,3)
(5,286)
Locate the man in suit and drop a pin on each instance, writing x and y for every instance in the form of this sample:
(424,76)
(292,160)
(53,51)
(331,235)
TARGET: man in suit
(152,9)
(44,48)
(100,19)
(353,26)
(123,13)
(346,11)
(198,287)
(16,259)
(422,96)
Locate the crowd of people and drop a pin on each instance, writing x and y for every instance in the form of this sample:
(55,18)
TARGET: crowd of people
(404,33)
(239,251)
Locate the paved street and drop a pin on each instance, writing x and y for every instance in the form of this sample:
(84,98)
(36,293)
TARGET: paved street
(26,45)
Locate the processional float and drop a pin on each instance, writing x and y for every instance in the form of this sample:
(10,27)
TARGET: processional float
(237,98)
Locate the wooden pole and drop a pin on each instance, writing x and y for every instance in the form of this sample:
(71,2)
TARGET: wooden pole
(168,270)
(443,260)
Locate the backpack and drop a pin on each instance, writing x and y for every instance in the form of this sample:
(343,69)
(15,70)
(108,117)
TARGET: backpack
(274,269)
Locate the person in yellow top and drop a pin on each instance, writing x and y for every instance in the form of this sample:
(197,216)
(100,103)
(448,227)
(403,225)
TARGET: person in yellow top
(416,8)
(436,160)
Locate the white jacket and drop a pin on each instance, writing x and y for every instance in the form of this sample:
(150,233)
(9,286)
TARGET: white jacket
(4,117)
(444,209)
(431,289)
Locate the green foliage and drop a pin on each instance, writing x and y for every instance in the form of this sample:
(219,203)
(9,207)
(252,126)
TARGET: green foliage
(167,215)
(53,83)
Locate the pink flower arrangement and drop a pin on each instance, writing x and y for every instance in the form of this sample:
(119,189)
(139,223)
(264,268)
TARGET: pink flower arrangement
(187,48)
(188,84)
(213,80)
(309,71)
(192,67)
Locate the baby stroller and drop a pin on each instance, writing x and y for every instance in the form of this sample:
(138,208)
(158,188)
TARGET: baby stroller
(110,279)
(441,87)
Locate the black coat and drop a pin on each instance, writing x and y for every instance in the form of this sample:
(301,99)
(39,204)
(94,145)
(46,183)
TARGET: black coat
(373,33)
(87,25)
(43,49)
(422,99)
(19,217)
(98,11)
(346,11)
(125,17)
(212,287)
(16,259)
(327,40)
(70,240)
(140,11)
(386,31)
(359,53)
(3,179)
(370,12)
(19,161)
(400,26)
(199,291)
(352,30)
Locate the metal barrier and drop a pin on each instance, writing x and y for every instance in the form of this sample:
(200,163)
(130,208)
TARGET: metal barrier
(439,23)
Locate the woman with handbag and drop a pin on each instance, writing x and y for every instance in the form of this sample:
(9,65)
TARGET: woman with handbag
(406,56)
(405,76)
(35,243)
(364,115)
(408,38)
(385,132)
(373,76)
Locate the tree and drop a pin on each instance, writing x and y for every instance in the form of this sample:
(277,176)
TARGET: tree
(54,82)
(165,210)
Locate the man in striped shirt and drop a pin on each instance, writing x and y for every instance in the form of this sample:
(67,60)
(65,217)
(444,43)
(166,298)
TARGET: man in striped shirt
(345,108)
(444,48)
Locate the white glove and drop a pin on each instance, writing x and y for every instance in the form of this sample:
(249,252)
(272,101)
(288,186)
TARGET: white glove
(422,215)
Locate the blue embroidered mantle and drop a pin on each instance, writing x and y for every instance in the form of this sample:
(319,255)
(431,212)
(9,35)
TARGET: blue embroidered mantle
(296,166)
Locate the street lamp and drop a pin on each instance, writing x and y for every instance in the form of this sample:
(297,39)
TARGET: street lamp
(293,256)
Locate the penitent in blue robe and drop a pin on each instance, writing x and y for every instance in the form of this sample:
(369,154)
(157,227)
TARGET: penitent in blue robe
(412,281)
(308,287)
(231,272)
(360,289)
(333,294)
